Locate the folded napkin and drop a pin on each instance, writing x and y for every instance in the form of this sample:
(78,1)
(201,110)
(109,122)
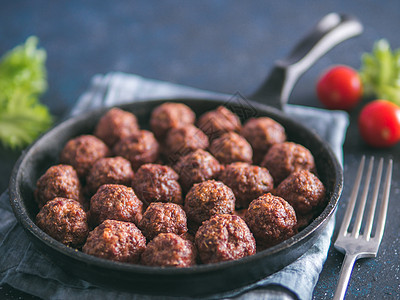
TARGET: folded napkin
(26,269)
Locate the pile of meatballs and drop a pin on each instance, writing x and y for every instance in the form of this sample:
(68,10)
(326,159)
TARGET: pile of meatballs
(190,191)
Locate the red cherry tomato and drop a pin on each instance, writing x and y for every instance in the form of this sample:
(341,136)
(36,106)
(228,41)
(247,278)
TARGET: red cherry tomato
(379,123)
(339,87)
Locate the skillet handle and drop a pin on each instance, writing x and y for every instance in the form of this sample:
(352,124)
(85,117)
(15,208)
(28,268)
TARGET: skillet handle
(330,30)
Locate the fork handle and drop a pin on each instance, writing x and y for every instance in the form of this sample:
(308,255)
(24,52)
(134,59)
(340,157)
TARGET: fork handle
(344,277)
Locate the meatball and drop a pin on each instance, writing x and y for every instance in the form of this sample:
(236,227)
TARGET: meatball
(303,190)
(58,181)
(247,182)
(117,241)
(262,133)
(108,170)
(64,220)
(231,147)
(181,141)
(283,159)
(115,125)
(157,183)
(208,198)
(169,250)
(139,149)
(170,115)
(116,202)
(196,167)
(163,218)
(224,237)
(82,152)
(216,122)
(271,220)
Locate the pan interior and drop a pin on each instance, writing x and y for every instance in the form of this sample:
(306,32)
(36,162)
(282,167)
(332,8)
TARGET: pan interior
(45,152)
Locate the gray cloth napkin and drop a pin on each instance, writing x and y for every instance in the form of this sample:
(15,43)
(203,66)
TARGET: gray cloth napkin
(26,269)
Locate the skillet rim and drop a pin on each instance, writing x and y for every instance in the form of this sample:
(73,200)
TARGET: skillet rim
(28,224)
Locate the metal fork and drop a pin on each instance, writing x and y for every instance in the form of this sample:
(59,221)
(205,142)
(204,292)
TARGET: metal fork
(355,244)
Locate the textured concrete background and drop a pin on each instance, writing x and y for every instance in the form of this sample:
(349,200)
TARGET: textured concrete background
(224,46)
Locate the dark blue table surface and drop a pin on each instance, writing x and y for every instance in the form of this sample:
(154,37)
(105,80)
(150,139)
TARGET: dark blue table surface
(224,46)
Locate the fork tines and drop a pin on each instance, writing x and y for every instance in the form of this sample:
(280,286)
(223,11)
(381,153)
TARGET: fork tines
(380,224)
(353,243)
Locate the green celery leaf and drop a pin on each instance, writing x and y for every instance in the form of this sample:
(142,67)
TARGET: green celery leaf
(23,78)
(380,72)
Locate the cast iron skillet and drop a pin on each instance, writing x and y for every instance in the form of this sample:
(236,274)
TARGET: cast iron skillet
(208,279)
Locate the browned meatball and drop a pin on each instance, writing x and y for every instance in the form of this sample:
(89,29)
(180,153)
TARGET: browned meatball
(216,122)
(115,125)
(170,115)
(116,202)
(196,167)
(169,250)
(231,147)
(303,190)
(107,170)
(64,220)
(117,241)
(58,181)
(157,183)
(247,182)
(208,198)
(82,152)
(224,237)
(262,133)
(271,219)
(139,149)
(163,218)
(283,159)
(181,141)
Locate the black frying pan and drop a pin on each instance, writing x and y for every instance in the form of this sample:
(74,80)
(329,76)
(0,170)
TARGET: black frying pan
(199,280)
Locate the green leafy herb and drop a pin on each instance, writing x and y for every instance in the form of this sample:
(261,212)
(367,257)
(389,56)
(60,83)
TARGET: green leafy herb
(380,72)
(23,79)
